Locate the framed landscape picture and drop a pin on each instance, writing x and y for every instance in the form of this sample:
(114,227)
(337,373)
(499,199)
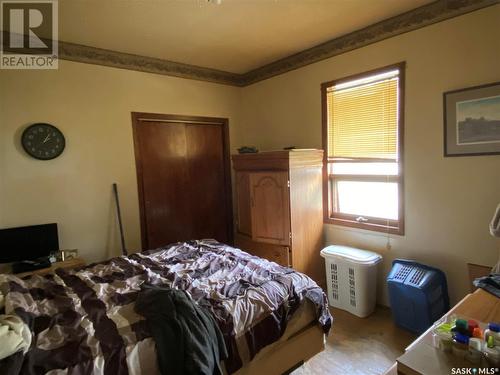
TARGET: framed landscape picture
(472,121)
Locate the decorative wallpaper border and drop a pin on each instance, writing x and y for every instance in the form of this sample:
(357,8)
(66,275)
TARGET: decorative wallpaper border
(414,19)
(92,55)
(429,14)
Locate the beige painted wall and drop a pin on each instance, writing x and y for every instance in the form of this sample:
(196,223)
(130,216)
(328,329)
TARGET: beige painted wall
(449,201)
(91,105)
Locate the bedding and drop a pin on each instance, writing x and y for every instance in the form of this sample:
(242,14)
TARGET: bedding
(83,320)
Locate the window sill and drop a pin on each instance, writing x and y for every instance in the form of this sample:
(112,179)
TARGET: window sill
(365,226)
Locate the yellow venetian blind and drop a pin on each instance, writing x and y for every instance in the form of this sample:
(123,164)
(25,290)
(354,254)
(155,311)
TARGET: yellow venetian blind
(363,118)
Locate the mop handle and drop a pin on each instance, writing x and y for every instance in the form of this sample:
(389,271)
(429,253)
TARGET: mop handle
(118,211)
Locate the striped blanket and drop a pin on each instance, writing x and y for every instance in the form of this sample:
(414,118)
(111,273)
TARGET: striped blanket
(83,320)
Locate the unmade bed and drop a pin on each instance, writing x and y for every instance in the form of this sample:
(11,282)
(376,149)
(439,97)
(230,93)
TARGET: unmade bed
(83,321)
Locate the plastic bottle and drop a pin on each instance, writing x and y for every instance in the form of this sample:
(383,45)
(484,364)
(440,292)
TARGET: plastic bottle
(460,346)
(471,325)
(445,341)
(477,333)
(460,327)
(442,337)
(475,354)
(494,331)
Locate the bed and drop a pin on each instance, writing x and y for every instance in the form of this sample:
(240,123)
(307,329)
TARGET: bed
(83,321)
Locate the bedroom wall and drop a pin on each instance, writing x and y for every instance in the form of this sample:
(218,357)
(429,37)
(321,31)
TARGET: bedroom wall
(449,201)
(91,104)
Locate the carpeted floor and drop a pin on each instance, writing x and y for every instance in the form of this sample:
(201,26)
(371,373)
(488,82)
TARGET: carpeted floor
(359,346)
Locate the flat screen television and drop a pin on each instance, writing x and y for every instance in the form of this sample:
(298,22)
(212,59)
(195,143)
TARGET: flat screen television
(28,243)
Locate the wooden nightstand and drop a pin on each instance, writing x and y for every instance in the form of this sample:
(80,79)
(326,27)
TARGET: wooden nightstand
(68,263)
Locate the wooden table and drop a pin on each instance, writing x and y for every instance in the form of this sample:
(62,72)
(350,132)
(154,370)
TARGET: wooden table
(68,263)
(422,358)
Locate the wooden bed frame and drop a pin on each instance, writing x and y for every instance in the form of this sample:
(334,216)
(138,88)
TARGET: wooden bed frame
(288,355)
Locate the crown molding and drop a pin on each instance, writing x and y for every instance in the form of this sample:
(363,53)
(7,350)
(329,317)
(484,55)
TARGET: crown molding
(414,19)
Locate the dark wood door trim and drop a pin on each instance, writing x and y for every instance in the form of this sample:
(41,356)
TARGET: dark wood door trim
(138,117)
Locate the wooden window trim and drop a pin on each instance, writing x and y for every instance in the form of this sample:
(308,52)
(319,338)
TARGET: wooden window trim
(364,177)
(375,224)
(361,160)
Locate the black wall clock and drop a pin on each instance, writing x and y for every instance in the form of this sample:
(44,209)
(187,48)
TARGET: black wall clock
(43,141)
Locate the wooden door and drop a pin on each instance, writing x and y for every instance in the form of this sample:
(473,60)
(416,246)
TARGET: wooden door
(244,214)
(270,207)
(183,179)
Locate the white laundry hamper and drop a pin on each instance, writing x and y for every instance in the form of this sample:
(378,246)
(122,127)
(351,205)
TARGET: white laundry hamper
(351,277)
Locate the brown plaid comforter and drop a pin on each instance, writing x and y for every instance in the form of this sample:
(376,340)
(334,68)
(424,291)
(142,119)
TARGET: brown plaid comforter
(84,322)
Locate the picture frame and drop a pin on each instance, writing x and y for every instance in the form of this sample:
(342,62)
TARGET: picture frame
(68,254)
(472,121)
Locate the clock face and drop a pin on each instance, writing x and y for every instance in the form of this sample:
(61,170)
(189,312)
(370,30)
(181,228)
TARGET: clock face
(43,141)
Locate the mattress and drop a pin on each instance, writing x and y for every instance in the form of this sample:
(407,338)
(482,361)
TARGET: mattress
(83,320)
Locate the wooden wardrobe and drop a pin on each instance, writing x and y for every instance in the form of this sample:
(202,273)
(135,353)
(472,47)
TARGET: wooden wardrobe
(279,208)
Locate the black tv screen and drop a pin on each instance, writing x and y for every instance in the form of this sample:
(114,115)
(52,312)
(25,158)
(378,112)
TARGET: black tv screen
(28,243)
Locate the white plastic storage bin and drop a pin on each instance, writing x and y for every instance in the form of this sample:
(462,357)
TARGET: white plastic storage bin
(351,278)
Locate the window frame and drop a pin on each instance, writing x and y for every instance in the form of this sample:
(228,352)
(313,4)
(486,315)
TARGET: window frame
(349,220)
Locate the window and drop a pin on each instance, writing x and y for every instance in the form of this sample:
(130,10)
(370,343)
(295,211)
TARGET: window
(363,142)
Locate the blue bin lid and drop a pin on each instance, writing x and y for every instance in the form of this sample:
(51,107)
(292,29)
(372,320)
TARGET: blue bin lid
(351,254)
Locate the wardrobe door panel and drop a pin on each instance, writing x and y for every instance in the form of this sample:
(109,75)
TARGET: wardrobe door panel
(244,218)
(275,253)
(270,207)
